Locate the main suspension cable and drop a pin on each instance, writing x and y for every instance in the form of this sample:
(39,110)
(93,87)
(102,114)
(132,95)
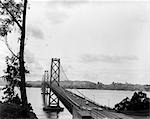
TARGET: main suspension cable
(61,68)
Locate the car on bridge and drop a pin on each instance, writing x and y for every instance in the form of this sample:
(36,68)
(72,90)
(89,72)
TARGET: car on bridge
(87,102)
(86,108)
(98,108)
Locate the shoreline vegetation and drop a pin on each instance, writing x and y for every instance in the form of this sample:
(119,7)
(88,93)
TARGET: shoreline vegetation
(14,111)
(92,85)
(13,20)
(138,105)
(11,106)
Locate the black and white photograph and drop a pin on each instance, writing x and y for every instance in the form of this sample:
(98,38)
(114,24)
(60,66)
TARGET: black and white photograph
(74,59)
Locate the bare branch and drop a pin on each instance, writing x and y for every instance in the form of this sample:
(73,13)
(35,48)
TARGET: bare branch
(6,42)
(11,15)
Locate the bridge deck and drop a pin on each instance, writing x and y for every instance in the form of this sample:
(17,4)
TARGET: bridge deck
(85,106)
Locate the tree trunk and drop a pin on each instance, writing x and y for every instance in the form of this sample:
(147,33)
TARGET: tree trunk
(21,59)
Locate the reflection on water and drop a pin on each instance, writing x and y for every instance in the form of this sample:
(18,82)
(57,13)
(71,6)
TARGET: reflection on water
(51,115)
(38,101)
(44,100)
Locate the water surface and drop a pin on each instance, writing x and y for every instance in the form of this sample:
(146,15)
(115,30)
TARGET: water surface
(102,97)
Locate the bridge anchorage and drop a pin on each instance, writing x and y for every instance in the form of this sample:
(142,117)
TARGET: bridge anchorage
(51,101)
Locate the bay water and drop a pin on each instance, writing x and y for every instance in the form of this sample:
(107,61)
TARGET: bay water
(102,97)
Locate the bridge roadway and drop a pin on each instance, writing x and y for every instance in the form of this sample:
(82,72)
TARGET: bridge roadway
(84,107)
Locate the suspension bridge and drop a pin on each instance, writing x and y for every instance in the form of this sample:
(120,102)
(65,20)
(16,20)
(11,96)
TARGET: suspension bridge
(79,106)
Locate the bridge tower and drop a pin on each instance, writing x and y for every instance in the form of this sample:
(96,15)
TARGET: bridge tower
(54,79)
(45,86)
(45,80)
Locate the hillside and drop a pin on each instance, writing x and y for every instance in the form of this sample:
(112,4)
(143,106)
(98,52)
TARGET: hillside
(91,85)
(78,84)
(67,84)
(121,86)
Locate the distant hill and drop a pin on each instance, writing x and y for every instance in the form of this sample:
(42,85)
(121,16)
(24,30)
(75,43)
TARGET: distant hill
(67,84)
(91,85)
(78,84)
(126,86)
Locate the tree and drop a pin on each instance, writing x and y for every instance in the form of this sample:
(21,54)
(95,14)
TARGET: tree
(13,13)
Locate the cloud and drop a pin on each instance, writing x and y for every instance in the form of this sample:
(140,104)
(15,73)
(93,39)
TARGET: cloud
(107,58)
(90,75)
(56,17)
(31,61)
(35,32)
(32,64)
(58,10)
(67,3)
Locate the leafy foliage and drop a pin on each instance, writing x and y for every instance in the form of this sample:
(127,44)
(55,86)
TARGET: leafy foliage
(13,79)
(139,101)
(13,13)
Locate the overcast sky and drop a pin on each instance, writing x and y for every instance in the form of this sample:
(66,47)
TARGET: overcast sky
(97,40)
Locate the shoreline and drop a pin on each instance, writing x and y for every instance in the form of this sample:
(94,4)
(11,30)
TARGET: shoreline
(91,89)
(92,85)
(86,88)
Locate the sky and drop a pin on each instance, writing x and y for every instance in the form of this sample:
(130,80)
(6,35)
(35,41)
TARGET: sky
(96,40)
